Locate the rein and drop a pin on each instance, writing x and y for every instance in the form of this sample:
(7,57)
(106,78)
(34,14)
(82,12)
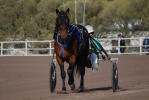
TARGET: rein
(63,46)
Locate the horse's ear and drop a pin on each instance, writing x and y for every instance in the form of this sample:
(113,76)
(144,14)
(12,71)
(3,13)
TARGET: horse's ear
(57,11)
(67,11)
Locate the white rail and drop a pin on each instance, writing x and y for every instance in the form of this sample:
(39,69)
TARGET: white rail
(7,48)
(25,49)
(130,43)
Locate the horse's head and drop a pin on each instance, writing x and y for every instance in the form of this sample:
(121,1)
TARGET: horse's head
(62,24)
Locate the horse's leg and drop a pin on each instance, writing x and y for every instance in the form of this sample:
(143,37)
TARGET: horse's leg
(63,73)
(81,68)
(82,72)
(83,62)
(71,77)
(70,72)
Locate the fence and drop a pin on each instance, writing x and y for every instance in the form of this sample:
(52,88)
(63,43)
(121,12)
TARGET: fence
(45,48)
(133,45)
(26,48)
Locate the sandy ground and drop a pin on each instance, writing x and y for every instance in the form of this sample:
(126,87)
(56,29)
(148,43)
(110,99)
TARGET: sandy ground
(27,78)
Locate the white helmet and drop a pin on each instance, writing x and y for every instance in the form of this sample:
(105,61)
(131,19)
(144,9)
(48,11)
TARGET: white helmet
(89,29)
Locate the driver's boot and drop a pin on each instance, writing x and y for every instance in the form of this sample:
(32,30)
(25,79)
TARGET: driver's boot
(95,67)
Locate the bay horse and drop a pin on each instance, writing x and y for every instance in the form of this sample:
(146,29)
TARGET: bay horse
(71,45)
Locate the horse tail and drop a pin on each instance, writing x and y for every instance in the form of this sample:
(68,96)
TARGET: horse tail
(82,61)
(80,70)
(77,68)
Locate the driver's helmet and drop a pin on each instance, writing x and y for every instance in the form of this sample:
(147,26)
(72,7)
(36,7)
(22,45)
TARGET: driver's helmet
(89,29)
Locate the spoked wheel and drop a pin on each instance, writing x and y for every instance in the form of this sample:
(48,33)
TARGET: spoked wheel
(114,77)
(52,83)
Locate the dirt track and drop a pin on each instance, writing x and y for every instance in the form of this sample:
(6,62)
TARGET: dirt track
(27,78)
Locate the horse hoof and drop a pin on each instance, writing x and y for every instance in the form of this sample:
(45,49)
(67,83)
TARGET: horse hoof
(83,89)
(72,86)
(62,92)
(78,90)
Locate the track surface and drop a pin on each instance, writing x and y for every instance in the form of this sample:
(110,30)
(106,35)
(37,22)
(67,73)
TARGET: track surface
(27,78)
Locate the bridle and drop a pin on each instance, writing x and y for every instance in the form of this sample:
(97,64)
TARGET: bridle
(63,23)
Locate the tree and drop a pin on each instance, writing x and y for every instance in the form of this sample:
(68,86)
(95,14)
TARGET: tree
(36,19)
(122,16)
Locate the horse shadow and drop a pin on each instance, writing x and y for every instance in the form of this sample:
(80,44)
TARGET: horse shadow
(100,89)
(86,90)
(78,90)
(106,89)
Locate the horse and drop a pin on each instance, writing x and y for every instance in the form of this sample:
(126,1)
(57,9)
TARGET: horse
(71,45)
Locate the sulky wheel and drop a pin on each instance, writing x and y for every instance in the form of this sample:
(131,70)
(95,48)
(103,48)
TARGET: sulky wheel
(52,83)
(114,77)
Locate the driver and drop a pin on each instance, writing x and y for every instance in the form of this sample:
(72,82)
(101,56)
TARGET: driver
(93,52)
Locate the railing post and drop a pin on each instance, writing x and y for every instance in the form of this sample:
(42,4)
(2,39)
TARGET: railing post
(25,48)
(118,45)
(50,48)
(140,46)
(1,48)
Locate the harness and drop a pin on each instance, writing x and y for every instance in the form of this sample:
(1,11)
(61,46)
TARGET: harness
(70,32)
